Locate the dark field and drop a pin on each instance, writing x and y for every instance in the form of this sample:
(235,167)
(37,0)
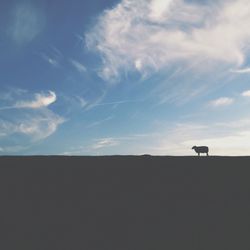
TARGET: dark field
(125,203)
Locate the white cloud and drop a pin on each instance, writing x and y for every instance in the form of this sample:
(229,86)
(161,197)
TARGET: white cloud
(40,127)
(27,122)
(41,100)
(78,66)
(105,142)
(223,101)
(241,71)
(36,126)
(148,35)
(246,93)
(27,23)
(158,8)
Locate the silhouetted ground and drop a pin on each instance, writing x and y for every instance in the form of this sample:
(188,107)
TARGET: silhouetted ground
(125,203)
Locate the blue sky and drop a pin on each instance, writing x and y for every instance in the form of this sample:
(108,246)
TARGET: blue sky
(124,77)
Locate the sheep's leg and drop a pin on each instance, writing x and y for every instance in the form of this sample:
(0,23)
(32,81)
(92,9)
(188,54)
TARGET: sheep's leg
(198,154)
(207,154)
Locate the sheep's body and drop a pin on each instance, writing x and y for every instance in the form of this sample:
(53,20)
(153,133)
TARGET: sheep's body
(201,149)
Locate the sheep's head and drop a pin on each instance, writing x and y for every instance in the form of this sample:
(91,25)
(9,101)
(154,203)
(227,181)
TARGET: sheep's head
(194,147)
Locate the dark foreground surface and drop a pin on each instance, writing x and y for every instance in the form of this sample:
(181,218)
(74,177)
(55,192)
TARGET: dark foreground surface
(124,203)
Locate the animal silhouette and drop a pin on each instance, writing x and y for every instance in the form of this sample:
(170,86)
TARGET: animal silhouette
(201,149)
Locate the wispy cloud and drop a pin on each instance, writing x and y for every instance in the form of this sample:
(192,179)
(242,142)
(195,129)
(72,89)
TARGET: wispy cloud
(27,122)
(11,93)
(82,101)
(86,101)
(246,93)
(93,103)
(40,101)
(105,142)
(100,122)
(78,66)
(52,61)
(222,101)
(40,127)
(147,36)
(27,22)
(127,144)
(36,127)
(241,71)
(116,103)
(53,56)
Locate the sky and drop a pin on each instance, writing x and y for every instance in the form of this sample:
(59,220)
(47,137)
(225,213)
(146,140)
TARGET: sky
(124,77)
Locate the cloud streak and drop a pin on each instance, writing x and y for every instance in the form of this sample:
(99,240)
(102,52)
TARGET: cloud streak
(104,142)
(241,71)
(78,66)
(117,102)
(222,101)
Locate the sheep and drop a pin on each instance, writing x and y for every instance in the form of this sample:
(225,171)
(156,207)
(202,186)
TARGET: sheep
(201,149)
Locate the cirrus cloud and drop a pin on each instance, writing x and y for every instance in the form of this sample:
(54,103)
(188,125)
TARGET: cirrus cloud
(78,66)
(27,122)
(41,100)
(146,36)
(35,127)
(222,101)
(241,71)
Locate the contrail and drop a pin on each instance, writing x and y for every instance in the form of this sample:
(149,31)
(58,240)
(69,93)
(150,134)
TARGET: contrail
(119,102)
